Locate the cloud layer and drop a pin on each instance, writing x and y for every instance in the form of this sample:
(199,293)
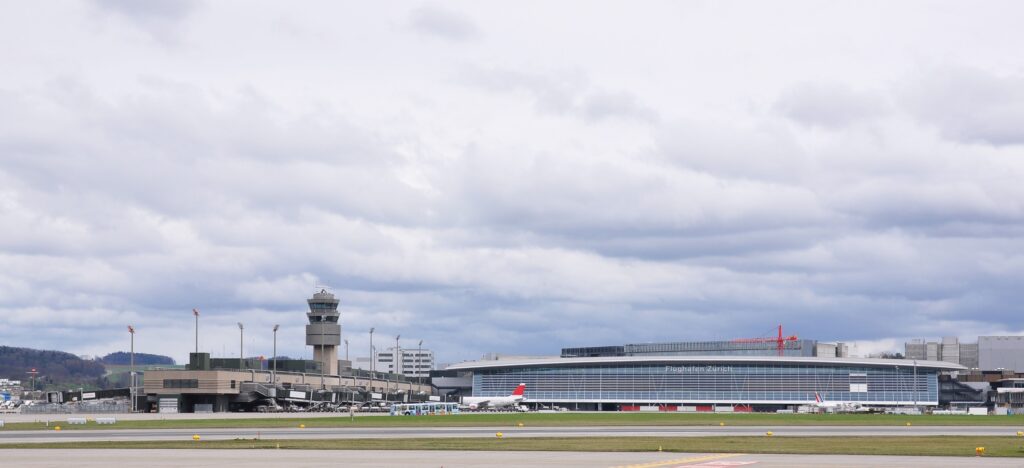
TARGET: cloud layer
(497,180)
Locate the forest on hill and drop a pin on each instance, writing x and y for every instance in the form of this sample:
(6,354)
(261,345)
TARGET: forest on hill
(55,368)
(122,358)
(58,370)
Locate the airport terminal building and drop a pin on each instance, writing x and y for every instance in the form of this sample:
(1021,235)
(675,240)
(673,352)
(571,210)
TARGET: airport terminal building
(739,382)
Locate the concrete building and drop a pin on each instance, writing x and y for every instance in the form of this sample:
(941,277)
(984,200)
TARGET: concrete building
(411,362)
(950,349)
(825,350)
(1001,353)
(929,350)
(915,349)
(361,363)
(969,355)
(323,332)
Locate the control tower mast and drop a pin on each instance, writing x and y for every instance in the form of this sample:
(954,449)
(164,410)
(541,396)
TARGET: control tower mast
(323,332)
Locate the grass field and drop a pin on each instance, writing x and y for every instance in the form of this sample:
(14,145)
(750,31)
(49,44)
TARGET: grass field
(549,419)
(934,446)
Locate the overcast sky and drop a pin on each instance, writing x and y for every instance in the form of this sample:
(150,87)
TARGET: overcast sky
(509,177)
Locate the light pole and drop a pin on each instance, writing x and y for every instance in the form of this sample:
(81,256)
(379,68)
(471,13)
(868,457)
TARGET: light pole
(397,359)
(419,360)
(131,367)
(915,384)
(33,373)
(372,359)
(273,372)
(196,313)
(346,349)
(241,347)
(398,352)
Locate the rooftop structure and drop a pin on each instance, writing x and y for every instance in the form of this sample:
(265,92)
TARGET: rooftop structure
(805,348)
(989,353)
(1001,352)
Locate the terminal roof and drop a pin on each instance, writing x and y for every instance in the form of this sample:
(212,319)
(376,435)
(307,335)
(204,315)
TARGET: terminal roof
(707,360)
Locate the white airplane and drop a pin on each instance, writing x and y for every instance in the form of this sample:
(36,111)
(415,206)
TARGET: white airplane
(474,403)
(838,406)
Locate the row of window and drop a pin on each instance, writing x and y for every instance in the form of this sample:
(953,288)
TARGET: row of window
(716,369)
(323,306)
(323,318)
(181,383)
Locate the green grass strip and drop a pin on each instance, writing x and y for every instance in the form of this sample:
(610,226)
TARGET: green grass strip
(542,420)
(918,446)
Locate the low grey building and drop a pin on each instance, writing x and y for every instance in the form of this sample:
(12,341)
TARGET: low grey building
(1001,353)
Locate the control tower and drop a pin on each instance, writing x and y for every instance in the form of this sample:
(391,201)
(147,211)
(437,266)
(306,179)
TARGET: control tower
(323,332)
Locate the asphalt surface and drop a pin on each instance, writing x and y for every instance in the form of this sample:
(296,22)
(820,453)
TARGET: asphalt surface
(472,459)
(463,432)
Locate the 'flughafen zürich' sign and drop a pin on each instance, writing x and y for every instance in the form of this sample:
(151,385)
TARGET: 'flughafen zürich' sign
(698,369)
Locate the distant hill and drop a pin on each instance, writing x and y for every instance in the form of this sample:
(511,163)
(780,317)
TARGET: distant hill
(55,368)
(122,358)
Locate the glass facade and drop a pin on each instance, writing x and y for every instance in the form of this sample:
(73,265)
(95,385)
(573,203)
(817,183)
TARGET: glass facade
(712,382)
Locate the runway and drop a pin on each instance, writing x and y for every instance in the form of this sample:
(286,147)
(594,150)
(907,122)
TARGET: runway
(488,432)
(467,459)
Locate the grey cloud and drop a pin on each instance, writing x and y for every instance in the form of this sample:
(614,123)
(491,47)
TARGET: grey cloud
(599,106)
(562,93)
(829,105)
(159,19)
(170,135)
(969,105)
(899,202)
(172,10)
(765,152)
(554,93)
(446,24)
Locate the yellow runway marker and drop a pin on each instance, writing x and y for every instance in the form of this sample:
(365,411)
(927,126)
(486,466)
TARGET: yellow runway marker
(679,461)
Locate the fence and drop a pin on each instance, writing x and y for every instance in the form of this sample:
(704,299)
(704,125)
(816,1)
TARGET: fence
(101,406)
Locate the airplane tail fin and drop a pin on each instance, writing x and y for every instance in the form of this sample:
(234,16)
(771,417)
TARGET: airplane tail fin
(817,397)
(519,390)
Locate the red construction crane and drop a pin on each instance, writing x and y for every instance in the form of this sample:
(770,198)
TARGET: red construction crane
(780,341)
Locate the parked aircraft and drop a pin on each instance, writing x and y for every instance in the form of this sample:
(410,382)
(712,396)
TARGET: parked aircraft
(474,403)
(836,406)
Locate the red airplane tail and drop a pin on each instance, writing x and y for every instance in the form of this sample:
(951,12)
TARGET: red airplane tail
(817,397)
(519,390)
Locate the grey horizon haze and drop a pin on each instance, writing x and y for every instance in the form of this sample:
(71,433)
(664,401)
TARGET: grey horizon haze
(509,177)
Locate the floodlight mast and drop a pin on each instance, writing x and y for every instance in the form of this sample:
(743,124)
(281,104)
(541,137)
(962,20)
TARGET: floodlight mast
(373,362)
(195,312)
(131,368)
(273,372)
(241,346)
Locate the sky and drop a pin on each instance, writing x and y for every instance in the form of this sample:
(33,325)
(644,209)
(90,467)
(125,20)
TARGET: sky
(510,177)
